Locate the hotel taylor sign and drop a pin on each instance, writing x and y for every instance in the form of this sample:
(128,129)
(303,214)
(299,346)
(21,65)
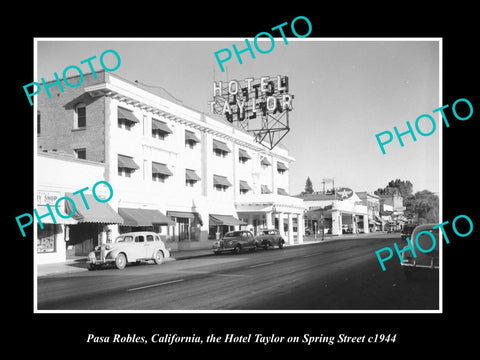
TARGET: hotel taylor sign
(260,106)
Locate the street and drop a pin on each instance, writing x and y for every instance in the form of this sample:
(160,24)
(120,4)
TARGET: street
(343,274)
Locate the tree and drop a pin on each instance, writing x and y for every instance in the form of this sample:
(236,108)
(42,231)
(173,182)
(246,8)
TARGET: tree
(423,207)
(308,186)
(397,187)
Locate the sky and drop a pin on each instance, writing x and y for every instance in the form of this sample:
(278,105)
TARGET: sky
(346,92)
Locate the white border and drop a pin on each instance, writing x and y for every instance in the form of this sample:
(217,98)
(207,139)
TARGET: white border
(307,39)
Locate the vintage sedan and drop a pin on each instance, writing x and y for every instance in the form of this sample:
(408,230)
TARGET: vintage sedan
(129,247)
(426,249)
(269,238)
(235,241)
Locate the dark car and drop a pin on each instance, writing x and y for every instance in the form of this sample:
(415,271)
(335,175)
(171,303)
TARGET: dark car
(425,244)
(407,231)
(270,237)
(235,241)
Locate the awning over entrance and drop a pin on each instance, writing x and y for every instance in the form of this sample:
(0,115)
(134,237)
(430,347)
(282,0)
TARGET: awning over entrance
(97,212)
(185,214)
(143,217)
(225,220)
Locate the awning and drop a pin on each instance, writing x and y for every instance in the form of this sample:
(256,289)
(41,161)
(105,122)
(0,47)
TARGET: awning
(127,162)
(192,175)
(265,162)
(158,125)
(218,145)
(42,210)
(281,166)
(265,189)
(143,217)
(221,180)
(370,221)
(225,220)
(126,115)
(244,185)
(97,212)
(190,136)
(242,154)
(282,192)
(161,169)
(186,214)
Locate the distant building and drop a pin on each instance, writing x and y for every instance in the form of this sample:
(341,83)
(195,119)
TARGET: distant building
(372,202)
(336,215)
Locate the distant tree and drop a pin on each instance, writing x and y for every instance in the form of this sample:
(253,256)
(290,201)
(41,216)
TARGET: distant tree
(308,186)
(423,207)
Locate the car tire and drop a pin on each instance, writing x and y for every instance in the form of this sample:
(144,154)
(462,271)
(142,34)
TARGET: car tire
(265,245)
(281,244)
(237,249)
(92,267)
(158,259)
(120,261)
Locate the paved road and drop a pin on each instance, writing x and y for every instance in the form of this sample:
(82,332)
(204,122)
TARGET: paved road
(336,275)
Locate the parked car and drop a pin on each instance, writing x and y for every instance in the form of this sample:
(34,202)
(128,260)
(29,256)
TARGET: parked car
(235,241)
(427,253)
(129,247)
(407,231)
(270,237)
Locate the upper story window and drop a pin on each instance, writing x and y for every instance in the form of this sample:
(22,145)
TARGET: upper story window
(264,162)
(243,156)
(160,172)
(220,148)
(244,187)
(281,191)
(126,119)
(160,130)
(265,189)
(191,139)
(191,177)
(80,116)
(281,168)
(221,183)
(80,153)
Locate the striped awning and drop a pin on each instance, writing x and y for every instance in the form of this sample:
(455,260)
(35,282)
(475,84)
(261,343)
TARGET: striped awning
(161,169)
(143,217)
(281,166)
(97,212)
(244,185)
(218,145)
(126,115)
(127,162)
(221,181)
(242,154)
(192,175)
(158,125)
(265,162)
(281,191)
(190,136)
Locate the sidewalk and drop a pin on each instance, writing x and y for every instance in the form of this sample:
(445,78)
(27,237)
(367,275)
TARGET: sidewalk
(80,264)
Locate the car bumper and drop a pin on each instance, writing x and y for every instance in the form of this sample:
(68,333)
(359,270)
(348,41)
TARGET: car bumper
(95,258)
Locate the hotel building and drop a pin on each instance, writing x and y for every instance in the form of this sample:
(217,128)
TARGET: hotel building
(184,174)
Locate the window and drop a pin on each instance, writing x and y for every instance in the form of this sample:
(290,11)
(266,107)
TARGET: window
(220,148)
(124,124)
(160,130)
(139,238)
(80,116)
(191,177)
(126,165)
(38,122)
(281,168)
(243,156)
(221,183)
(80,153)
(191,139)
(149,237)
(126,119)
(125,172)
(160,172)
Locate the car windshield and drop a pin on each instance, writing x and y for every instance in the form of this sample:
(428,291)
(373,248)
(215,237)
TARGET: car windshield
(265,232)
(233,234)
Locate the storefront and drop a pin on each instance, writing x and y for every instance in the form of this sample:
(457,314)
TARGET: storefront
(219,225)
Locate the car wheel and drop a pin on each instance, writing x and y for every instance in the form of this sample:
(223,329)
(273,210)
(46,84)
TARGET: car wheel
(92,267)
(237,249)
(120,261)
(158,257)
(280,244)
(265,245)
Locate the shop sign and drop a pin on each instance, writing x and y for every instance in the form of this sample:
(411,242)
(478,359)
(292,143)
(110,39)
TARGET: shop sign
(47,197)
(344,193)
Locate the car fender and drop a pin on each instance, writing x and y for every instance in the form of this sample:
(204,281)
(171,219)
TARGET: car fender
(165,252)
(113,254)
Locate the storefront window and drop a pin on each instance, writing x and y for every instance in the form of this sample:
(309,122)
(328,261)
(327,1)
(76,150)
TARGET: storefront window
(46,238)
